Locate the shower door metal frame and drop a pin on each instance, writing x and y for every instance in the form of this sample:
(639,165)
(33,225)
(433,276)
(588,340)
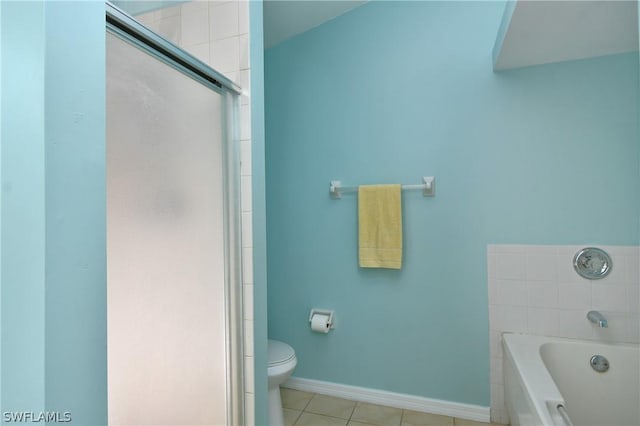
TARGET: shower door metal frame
(127,28)
(124,25)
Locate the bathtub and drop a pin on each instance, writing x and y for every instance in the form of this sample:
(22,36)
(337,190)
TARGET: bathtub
(550,381)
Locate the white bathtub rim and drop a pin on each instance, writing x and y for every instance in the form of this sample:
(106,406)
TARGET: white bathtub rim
(523,351)
(540,339)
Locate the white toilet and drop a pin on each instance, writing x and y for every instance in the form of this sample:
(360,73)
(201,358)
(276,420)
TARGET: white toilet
(282,361)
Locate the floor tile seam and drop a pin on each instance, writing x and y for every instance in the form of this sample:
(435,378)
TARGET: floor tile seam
(384,406)
(326,415)
(353,410)
(304,410)
(295,422)
(308,402)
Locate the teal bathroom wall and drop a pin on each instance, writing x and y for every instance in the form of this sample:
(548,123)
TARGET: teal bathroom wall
(76,297)
(0,201)
(394,91)
(259,216)
(53,213)
(23,209)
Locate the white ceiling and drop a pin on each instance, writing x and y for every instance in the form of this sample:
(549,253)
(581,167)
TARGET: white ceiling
(284,19)
(539,32)
(533,32)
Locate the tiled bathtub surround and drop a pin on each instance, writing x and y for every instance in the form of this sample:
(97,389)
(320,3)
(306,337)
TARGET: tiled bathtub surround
(535,290)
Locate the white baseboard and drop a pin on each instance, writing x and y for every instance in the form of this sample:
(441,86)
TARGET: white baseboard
(391,399)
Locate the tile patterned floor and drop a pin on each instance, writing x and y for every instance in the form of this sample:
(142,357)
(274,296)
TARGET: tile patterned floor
(310,409)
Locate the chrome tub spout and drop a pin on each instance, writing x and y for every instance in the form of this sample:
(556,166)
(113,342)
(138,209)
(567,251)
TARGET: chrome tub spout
(597,318)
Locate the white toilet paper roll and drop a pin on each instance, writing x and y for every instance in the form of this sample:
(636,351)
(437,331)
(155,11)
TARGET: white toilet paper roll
(320,323)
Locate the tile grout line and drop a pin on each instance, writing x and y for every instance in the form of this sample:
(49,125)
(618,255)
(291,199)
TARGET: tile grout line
(304,409)
(352,411)
(308,402)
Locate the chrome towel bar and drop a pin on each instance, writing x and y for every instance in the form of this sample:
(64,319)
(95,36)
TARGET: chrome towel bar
(428,188)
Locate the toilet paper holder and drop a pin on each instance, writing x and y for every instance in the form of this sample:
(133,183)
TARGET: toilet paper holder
(315,311)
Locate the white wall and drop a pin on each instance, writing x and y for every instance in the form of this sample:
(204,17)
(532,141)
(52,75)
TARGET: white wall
(535,290)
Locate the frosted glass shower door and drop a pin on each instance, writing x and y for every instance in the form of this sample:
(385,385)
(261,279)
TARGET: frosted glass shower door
(165,244)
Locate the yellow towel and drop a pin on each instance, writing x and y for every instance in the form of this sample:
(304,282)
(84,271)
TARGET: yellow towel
(380,226)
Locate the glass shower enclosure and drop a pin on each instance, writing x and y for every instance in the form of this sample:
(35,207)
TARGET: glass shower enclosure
(173,232)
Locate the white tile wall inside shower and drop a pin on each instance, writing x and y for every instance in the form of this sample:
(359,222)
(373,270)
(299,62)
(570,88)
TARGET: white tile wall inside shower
(216,32)
(535,290)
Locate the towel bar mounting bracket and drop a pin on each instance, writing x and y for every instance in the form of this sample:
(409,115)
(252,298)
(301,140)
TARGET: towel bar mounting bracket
(334,189)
